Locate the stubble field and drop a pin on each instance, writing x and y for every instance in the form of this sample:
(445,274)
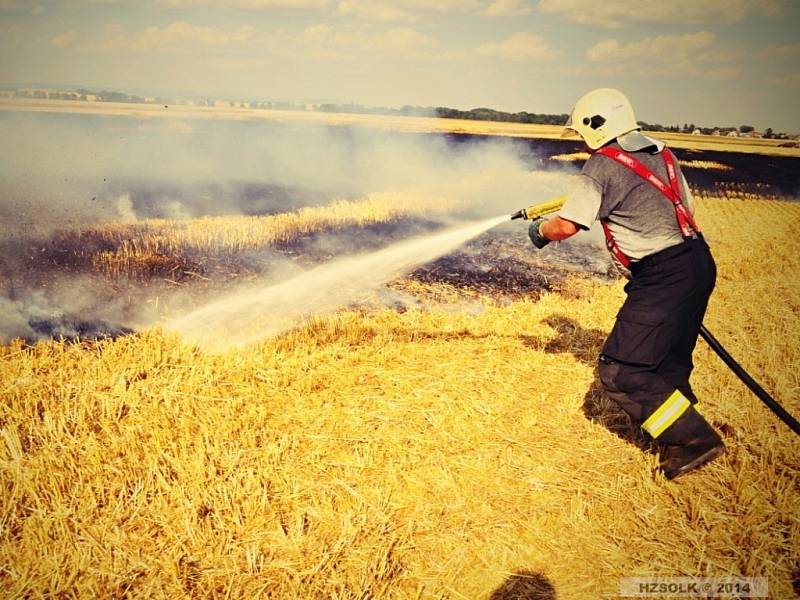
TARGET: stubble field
(454,444)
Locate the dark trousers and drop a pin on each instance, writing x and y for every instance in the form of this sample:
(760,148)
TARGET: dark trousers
(648,355)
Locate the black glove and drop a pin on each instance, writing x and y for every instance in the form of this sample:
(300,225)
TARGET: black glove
(535,234)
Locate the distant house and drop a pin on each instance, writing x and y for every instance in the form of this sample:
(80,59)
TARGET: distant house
(752,134)
(697,132)
(733,134)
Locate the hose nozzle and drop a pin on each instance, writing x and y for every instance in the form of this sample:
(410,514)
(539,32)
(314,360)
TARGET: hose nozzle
(537,210)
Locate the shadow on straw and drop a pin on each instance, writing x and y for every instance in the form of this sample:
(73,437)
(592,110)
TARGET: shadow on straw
(585,345)
(525,585)
(599,408)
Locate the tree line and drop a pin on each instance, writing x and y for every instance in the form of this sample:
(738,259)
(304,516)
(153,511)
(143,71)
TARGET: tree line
(444,112)
(490,114)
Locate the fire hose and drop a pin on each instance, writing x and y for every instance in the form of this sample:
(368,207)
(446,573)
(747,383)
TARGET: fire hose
(539,210)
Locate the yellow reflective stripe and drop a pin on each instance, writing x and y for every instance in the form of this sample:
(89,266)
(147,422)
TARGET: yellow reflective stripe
(666,414)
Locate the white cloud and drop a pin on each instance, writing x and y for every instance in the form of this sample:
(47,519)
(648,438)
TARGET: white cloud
(445,6)
(406,11)
(11,36)
(249,4)
(327,43)
(662,48)
(673,52)
(718,53)
(517,47)
(317,33)
(65,39)
(781,51)
(401,40)
(240,64)
(374,11)
(21,7)
(690,55)
(177,37)
(507,8)
(181,35)
(724,73)
(379,10)
(618,13)
(790,80)
(409,10)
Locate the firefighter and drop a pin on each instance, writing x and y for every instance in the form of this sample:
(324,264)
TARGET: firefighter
(633,185)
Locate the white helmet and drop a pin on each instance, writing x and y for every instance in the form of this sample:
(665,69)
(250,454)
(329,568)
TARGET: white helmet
(600,116)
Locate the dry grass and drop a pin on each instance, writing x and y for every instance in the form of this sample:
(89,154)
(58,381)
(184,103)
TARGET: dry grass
(705,164)
(571,157)
(426,454)
(154,247)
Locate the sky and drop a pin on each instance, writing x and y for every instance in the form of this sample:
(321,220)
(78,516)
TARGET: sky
(708,62)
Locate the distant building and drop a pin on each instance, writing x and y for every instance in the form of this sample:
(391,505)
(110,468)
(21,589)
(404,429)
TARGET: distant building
(697,132)
(733,134)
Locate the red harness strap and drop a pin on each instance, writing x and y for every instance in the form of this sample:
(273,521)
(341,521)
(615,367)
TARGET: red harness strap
(689,228)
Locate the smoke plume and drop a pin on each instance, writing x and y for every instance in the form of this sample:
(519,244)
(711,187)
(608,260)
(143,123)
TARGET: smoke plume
(66,171)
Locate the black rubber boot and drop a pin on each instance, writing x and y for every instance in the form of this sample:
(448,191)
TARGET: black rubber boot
(678,460)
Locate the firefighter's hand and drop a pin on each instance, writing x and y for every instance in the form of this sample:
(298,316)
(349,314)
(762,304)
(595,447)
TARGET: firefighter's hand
(534,232)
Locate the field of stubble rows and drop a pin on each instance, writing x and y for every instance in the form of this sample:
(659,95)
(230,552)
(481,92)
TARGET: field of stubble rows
(450,443)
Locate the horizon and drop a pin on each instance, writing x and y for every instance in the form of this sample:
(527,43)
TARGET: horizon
(182,96)
(674,62)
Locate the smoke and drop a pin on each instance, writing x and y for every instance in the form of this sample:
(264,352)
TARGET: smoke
(125,208)
(58,170)
(63,171)
(76,307)
(249,314)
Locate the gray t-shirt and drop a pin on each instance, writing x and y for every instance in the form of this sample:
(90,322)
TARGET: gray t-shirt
(641,219)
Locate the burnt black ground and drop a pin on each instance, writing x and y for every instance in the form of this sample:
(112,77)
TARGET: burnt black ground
(501,263)
(777,176)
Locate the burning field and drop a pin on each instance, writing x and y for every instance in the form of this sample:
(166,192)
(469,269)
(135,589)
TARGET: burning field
(413,410)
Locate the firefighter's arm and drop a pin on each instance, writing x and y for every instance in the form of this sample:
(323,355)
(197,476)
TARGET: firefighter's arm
(558,229)
(543,231)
